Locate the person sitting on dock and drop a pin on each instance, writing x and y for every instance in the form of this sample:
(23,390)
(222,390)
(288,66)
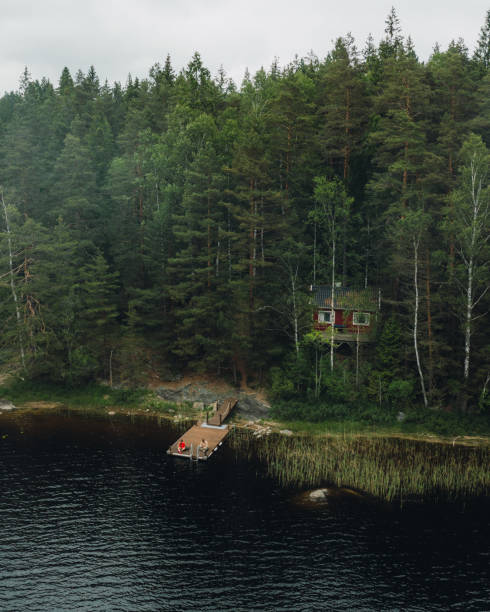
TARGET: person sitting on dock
(203,445)
(181,446)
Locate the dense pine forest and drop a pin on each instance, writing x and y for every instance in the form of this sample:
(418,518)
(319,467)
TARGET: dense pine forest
(178,222)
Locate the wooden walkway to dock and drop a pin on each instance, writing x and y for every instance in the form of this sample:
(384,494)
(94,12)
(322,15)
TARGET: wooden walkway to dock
(213,431)
(222,411)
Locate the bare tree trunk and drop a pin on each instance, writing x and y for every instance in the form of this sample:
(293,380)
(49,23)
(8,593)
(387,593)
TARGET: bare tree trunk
(218,248)
(485,384)
(12,285)
(405,176)
(209,241)
(295,309)
(332,316)
(357,358)
(316,373)
(467,330)
(296,336)
(347,120)
(229,247)
(366,264)
(314,254)
(261,229)
(344,257)
(110,368)
(429,325)
(477,221)
(416,315)
(253,245)
(288,155)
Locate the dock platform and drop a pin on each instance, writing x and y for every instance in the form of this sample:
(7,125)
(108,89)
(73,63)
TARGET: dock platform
(212,430)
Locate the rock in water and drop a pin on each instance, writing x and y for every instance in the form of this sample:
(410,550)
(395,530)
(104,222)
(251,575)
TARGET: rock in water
(6,405)
(319,495)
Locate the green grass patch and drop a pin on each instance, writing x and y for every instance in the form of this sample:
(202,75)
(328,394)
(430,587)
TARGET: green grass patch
(94,397)
(156,404)
(344,427)
(363,418)
(91,396)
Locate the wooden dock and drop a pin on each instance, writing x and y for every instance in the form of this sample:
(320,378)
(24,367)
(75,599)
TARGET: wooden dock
(213,431)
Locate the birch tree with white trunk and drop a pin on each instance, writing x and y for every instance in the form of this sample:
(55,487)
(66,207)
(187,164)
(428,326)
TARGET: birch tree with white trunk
(412,226)
(293,310)
(469,222)
(11,273)
(333,210)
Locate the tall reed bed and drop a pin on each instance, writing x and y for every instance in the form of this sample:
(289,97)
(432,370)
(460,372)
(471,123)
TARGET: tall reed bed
(388,468)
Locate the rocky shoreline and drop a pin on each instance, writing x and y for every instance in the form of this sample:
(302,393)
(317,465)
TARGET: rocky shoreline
(249,407)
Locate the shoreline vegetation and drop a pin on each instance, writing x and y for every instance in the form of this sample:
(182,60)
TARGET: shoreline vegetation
(389,465)
(392,469)
(100,398)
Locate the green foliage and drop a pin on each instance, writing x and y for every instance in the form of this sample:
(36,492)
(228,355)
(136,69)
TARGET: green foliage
(281,384)
(330,411)
(181,218)
(447,423)
(400,393)
(360,417)
(84,396)
(389,347)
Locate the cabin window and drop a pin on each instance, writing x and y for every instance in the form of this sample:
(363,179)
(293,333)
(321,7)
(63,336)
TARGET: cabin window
(325,316)
(361,318)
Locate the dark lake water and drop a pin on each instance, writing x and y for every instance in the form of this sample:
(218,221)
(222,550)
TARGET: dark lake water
(95,516)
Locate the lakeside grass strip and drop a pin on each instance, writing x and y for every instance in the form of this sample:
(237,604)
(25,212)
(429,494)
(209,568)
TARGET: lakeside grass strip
(391,469)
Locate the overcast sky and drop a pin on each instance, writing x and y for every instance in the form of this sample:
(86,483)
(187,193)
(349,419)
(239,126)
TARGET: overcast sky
(122,36)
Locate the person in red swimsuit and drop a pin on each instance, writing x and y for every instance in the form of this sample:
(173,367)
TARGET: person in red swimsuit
(181,446)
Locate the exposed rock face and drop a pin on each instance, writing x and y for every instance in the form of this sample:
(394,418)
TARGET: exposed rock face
(188,393)
(6,405)
(249,407)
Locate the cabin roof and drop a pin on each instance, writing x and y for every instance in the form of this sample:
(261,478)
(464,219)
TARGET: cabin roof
(346,298)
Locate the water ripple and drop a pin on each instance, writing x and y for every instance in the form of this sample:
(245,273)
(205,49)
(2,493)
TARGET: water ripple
(95,517)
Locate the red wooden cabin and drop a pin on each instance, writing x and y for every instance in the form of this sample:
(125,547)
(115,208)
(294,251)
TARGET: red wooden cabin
(354,312)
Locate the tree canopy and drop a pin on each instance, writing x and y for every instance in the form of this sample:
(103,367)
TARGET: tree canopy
(182,219)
